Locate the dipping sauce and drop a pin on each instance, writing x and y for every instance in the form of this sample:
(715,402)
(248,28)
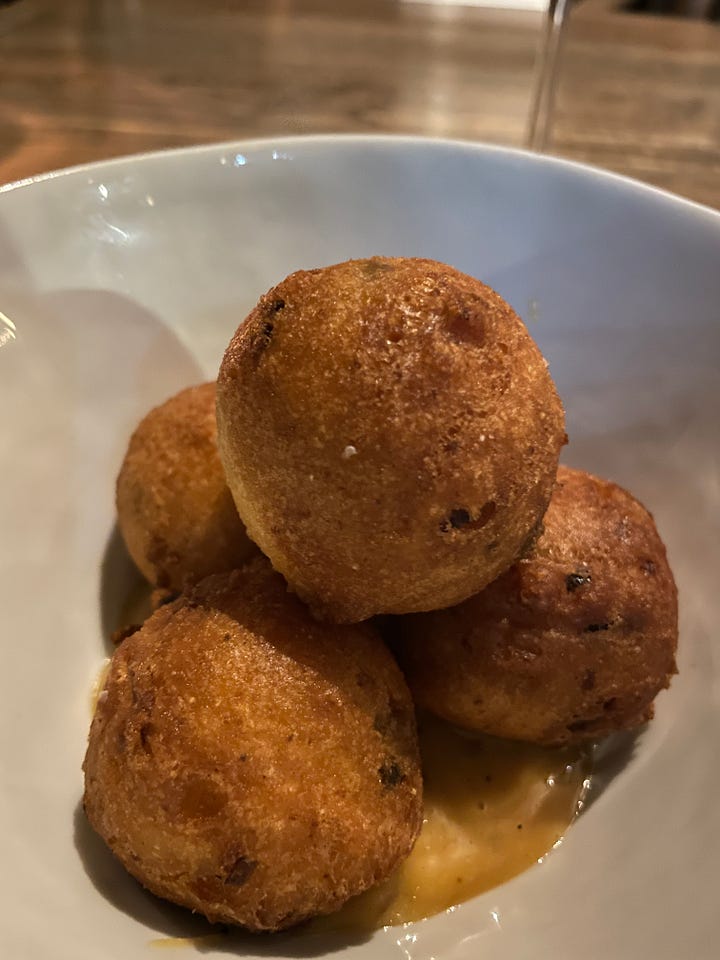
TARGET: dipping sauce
(493,808)
(203,942)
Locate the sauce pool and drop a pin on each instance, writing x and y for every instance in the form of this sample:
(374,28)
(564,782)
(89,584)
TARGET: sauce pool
(493,808)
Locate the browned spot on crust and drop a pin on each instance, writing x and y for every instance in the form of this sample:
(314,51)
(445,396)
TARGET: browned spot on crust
(577,579)
(200,799)
(462,519)
(374,266)
(467,326)
(391,775)
(240,872)
(145,732)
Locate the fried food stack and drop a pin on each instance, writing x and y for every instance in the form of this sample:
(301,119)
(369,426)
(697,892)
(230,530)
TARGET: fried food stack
(389,435)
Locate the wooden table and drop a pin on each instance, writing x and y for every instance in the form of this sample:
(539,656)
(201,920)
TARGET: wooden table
(84,80)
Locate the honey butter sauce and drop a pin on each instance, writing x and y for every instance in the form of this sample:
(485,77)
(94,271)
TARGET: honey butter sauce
(492,808)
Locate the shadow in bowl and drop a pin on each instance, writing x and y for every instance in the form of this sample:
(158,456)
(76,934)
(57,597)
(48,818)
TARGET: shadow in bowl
(124,593)
(111,880)
(610,757)
(167,922)
(299,943)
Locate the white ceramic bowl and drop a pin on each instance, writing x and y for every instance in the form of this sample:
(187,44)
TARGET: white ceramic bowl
(122,282)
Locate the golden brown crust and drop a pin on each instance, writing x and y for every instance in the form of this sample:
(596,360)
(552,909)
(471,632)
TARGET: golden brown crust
(570,644)
(175,511)
(250,763)
(390,433)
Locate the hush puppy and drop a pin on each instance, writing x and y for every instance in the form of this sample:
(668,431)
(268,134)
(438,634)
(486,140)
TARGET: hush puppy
(390,433)
(570,644)
(249,763)
(175,511)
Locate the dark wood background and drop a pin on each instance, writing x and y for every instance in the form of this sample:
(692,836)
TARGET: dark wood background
(88,79)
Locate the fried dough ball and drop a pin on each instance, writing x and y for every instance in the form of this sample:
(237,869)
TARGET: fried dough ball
(571,643)
(390,433)
(250,763)
(175,511)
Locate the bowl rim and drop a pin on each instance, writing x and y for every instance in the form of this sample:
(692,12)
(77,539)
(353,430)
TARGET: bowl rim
(346,140)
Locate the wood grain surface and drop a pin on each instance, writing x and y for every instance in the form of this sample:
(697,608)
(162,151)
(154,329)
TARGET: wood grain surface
(85,80)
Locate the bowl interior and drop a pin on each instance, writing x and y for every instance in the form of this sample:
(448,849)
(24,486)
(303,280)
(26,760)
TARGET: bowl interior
(122,282)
